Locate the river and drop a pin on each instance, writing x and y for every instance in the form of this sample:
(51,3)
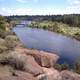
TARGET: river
(67,48)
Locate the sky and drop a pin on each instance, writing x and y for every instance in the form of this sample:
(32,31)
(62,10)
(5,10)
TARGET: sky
(39,7)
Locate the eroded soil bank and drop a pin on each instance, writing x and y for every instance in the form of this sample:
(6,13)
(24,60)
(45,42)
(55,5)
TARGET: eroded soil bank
(28,64)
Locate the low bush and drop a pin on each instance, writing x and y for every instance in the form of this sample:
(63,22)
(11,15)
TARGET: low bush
(8,43)
(77,35)
(57,66)
(13,60)
(3,46)
(58,27)
(77,67)
(11,41)
(65,66)
(2,34)
(61,67)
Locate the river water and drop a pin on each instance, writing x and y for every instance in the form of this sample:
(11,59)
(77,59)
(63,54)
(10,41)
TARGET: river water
(67,48)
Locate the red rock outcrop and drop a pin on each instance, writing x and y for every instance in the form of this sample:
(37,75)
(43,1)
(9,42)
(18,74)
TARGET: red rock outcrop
(22,62)
(50,74)
(53,74)
(19,76)
(30,64)
(32,67)
(44,59)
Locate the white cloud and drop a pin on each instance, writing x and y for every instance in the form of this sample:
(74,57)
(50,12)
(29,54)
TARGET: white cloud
(76,2)
(19,11)
(73,7)
(45,11)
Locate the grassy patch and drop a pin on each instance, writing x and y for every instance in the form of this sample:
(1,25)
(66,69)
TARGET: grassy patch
(61,28)
(12,59)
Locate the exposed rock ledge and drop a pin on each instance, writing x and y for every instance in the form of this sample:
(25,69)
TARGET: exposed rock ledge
(32,65)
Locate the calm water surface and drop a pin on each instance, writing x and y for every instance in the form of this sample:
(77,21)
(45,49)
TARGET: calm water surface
(68,49)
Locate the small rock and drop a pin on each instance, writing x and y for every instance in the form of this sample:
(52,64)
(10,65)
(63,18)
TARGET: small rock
(49,74)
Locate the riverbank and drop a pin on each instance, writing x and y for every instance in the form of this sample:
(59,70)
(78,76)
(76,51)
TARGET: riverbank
(18,62)
(61,28)
(28,64)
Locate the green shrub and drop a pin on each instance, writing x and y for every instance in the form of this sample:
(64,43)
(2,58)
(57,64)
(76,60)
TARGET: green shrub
(44,27)
(2,34)
(61,67)
(77,67)
(11,41)
(58,27)
(65,66)
(13,60)
(77,35)
(11,37)
(57,66)
(3,46)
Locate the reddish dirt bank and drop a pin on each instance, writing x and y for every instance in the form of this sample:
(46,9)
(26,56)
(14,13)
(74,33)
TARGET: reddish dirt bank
(28,64)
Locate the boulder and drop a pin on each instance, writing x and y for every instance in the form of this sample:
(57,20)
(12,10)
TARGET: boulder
(44,59)
(21,62)
(3,46)
(50,74)
(48,59)
(32,67)
(24,75)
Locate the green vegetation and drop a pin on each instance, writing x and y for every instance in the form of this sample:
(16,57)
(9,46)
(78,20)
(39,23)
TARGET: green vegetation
(77,66)
(11,41)
(12,59)
(4,27)
(58,27)
(14,22)
(68,25)
(8,39)
(3,46)
(8,43)
(61,67)
(71,19)
(65,66)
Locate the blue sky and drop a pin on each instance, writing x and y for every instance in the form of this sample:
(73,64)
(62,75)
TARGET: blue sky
(39,7)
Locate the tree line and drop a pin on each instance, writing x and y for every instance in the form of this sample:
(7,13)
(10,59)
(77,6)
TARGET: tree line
(70,19)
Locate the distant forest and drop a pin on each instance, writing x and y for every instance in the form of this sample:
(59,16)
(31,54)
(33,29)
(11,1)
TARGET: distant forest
(71,19)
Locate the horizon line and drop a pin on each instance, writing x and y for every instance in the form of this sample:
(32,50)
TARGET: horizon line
(40,14)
